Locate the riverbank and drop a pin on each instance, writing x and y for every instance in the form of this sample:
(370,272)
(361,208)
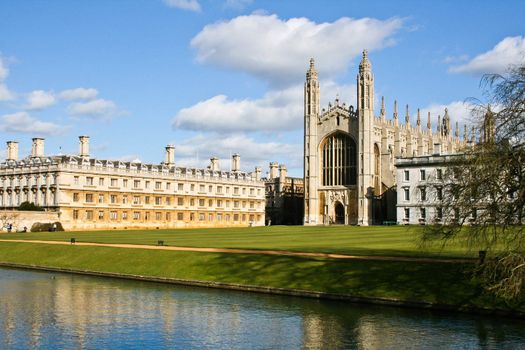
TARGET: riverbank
(428,285)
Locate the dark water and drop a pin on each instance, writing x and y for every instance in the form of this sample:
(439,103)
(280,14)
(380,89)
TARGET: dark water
(40,310)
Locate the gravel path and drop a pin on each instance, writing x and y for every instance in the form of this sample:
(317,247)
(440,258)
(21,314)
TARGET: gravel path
(250,251)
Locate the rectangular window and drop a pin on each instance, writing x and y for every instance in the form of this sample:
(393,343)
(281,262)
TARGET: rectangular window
(252,191)
(168,201)
(258,191)
(210,188)
(219,189)
(244,190)
(158,200)
(243,217)
(439,174)
(422,175)
(158,216)
(439,213)
(113,199)
(146,184)
(201,188)
(124,199)
(227,190)
(227,204)
(235,217)
(407,194)
(201,216)
(89,214)
(101,181)
(407,175)
(210,202)
(252,205)
(113,215)
(114,182)
(180,201)
(236,190)
(101,215)
(244,204)
(439,193)
(168,185)
(201,202)
(158,185)
(136,215)
(124,182)
(168,216)
(136,199)
(124,215)
(180,187)
(146,200)
(423,193)
(210,217)
(180,216)
(192,187)
(219,203)
(227,217)
(423,213)
(89,180)
(407,213)
(101,198)
(75,214)
(192,202)
(219,217)
(75,197)
(236,204)
(76,180)
(136,183)
(89,198)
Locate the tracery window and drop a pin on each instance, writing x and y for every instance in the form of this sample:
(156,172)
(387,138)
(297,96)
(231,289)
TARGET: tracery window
(339,160)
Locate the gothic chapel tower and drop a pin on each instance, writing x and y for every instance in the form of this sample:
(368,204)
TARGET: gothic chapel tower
(311,165)
(365,109)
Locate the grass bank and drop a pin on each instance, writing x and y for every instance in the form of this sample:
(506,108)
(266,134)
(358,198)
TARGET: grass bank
(448,284)
(352,240)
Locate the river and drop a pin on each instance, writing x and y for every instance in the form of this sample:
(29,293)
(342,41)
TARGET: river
(43,310)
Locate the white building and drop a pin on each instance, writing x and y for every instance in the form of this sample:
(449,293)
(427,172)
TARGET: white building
(89,193)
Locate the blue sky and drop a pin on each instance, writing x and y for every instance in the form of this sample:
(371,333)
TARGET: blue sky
(218,77)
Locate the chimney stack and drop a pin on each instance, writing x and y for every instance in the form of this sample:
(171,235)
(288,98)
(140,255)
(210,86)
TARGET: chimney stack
(84,146)
(273,170)
(214,164)
(236,162)
(169,159)
(258,172)
(37,149)
(12,150)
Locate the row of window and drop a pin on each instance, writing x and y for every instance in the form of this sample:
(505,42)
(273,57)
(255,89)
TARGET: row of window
(423,174)
(423,193)
(159,185)
(438,213)
(159,216)
(157,200)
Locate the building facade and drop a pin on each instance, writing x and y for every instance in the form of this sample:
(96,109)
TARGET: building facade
(89,193)
(349,153)
(284,197)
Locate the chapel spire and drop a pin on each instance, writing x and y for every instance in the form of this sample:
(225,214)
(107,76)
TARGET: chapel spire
(429,123)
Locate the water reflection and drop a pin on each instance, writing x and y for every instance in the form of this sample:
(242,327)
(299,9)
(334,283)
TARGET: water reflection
(41,310)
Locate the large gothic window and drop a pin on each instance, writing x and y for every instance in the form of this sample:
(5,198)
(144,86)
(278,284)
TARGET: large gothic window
(339,160)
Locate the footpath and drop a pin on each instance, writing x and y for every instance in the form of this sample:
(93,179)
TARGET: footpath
(250,251)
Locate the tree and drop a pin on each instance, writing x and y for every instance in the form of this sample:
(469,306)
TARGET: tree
(484,189)
(29,206)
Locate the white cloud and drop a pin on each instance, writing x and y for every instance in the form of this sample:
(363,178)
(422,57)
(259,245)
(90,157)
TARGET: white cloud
(5,94)
(79,94)
(39,99)
(277,110)
(22,122)
(198,150)
(278,50)
(98,108)
(510,50)
(190,5)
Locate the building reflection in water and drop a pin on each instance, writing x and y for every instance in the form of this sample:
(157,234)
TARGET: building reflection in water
(48,311)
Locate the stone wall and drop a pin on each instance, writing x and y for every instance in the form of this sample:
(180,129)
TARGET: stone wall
(21,219)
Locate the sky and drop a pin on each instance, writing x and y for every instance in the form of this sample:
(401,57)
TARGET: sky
(219,77)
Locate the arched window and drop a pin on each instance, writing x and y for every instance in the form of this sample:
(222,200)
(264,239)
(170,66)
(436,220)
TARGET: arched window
(339,160)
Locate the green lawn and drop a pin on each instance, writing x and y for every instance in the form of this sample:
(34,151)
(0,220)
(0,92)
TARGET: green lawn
(373,240)
(429,282)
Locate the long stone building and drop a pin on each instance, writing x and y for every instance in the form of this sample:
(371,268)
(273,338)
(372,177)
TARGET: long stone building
(89,193)
(349,153)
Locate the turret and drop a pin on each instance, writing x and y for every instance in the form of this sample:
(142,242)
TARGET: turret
(273,170)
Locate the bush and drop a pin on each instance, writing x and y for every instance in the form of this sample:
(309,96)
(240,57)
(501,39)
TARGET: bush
(46,226)
(30,207)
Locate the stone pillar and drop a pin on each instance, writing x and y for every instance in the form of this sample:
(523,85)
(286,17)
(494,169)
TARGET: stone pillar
(236,162)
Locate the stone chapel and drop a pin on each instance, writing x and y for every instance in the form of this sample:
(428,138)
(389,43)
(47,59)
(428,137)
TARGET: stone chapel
(349,153)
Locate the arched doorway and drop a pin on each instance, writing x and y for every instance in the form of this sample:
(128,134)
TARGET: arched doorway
(339,214)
